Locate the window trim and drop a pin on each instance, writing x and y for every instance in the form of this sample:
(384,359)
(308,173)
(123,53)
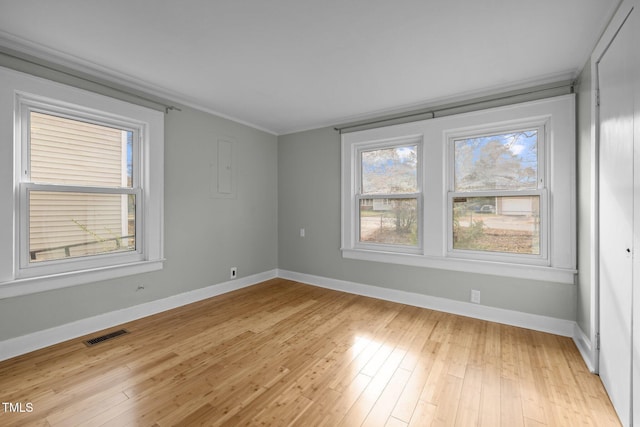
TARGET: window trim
(558,196)
(17,88)
(27,104)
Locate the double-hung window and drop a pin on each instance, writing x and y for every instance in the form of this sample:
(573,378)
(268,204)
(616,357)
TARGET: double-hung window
(87,194)
(79,189)
(388,202)
(497,199)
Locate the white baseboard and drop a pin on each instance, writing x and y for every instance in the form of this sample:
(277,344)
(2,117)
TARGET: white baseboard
(535,322)
(37,340)
(583,342)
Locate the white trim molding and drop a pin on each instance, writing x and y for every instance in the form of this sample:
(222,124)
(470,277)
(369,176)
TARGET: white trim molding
(585,348)
(27,343)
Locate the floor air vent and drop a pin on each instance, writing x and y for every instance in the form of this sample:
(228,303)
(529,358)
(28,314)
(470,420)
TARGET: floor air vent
(103,338)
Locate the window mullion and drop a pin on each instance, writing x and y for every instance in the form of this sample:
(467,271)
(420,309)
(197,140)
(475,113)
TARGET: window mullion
(389,196)
(58,188)
(496,193)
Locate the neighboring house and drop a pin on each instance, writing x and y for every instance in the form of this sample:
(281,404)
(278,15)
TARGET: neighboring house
(71,152)
(517,206)
(382,204)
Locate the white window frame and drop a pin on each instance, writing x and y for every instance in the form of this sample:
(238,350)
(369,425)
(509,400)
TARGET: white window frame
(542,127)
(557,261)
(19,95)
(26,104)
(358,196)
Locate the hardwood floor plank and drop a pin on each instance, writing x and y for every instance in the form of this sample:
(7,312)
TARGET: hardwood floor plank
(410,396)
(366,401)
(510,403)
(532,408)
(317,379)
(285,409)
(469,405)
(349,395)
(437,376)
(74,413)
(424,415)
(345,376)
(449,401)
(423,327)
(285,353)
(491,390)
(394,422)
(381,411)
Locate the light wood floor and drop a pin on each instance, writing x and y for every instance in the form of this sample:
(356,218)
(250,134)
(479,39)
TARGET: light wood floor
(284,353)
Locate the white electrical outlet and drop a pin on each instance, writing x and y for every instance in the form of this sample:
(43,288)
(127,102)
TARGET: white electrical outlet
(302,232)
(475,296)
(234,272)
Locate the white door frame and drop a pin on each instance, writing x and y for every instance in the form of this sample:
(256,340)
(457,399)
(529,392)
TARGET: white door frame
(607,38)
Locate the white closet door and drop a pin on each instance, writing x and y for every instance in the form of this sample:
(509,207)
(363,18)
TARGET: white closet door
(616,219)
(635,393)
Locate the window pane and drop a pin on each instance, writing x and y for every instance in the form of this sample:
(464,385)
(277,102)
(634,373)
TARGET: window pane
(497,162)
(69,225)
(390,170)
(72,152)
(389,221)
(497,224)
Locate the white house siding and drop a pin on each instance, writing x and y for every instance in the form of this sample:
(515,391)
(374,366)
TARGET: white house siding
(70,152)
(519,206)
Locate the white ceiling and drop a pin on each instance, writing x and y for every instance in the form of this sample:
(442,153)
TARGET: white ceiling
(288,65)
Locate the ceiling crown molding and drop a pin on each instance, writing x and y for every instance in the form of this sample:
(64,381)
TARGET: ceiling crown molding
(57,60)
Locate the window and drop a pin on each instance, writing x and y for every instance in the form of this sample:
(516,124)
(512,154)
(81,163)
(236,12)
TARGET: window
(81,192)
(491,191)
(497,193)
(388,202)
(87,191)
(78,191)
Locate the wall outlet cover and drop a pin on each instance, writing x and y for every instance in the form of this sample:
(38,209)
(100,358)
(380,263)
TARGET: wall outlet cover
(475,296)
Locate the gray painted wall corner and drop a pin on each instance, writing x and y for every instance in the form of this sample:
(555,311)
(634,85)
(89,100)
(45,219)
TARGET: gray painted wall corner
(309,197)
(204,236)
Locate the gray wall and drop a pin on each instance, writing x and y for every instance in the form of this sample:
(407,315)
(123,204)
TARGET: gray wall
(204,236)
(309,197)
(584,169)
(285,184)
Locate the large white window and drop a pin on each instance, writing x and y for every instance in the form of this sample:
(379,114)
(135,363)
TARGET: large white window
(87,187)
(494,192)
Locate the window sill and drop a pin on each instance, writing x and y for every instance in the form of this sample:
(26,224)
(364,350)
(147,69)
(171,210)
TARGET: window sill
(34,285)
(520,271)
